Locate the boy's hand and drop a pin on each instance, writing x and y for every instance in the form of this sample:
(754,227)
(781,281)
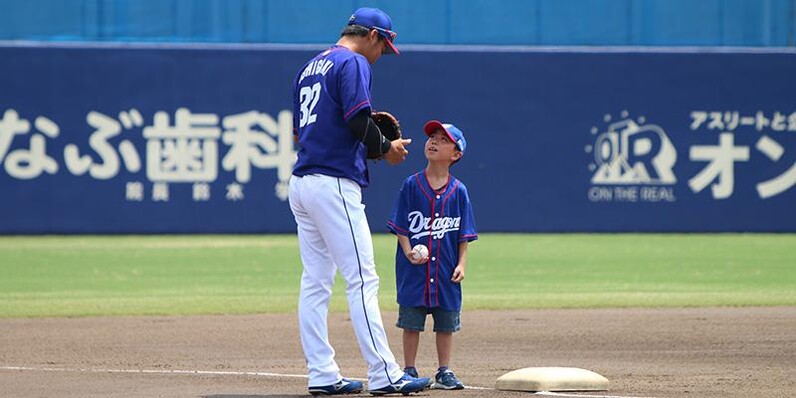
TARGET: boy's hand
(458,274)
(416,260)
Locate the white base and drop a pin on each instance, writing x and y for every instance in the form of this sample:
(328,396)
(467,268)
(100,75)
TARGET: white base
(552,379)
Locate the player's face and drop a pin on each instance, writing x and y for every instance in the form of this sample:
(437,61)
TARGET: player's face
(374,46)
(439,147)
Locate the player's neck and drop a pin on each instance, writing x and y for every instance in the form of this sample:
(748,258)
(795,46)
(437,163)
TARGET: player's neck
(437,173)
(348,43)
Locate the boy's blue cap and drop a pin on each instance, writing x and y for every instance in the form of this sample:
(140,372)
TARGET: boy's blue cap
(374,18)
(454,133)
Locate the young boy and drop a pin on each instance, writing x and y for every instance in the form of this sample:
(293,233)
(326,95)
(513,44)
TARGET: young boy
(433,209)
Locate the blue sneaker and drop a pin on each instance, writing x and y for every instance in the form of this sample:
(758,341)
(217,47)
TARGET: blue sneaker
(406,385)
(446,380)
(412,371)
(344,386)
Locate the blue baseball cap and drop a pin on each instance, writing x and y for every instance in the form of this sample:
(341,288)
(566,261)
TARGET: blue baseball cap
(374,18)
(454,133)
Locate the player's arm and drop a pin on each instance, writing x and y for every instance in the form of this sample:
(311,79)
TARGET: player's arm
(368,133)
(296,111)
(355,89)
(458,273)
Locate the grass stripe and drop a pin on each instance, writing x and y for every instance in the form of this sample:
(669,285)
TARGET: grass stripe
(144,275)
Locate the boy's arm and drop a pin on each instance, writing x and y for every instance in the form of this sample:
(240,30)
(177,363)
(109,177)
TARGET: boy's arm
(458,272)
(404,242)
(407,249)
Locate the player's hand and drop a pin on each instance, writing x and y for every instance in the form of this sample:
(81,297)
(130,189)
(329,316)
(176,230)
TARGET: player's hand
(398,152)
(458,274)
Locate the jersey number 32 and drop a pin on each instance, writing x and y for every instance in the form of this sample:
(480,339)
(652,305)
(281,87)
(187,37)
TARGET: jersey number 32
(309,96)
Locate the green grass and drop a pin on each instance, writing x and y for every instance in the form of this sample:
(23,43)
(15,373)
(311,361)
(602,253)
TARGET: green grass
(139,275)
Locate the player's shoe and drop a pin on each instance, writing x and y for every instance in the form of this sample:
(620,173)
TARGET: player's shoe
(412,371)
(446,380)
(344,386)
(405,385)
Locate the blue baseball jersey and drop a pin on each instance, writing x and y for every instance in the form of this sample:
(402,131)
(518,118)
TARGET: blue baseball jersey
(329,90)
(440,220)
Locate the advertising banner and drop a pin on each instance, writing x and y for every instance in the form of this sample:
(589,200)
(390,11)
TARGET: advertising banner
(164,139)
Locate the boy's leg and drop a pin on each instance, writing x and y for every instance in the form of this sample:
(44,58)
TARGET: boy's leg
(445,379)
(445,324)
(413,321)
(411,342)
(444,348)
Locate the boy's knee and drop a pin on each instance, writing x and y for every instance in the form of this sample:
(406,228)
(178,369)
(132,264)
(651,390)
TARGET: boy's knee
(411,318)
(447,321)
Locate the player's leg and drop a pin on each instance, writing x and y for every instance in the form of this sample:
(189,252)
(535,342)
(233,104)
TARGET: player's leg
(347,235)
(316,288)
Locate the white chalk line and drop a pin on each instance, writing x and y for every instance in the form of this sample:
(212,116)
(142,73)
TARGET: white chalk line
(263,374)
(153,371)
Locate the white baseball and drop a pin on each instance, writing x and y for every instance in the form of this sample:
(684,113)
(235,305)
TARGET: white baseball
(420,251)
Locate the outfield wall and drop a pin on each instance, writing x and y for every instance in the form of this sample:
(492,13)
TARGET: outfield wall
(165,139)
(756,23)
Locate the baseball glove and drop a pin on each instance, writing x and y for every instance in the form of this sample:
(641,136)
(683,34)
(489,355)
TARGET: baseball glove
(389,126)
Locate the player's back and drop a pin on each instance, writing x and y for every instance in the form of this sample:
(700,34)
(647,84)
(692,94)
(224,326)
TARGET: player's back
(328,90)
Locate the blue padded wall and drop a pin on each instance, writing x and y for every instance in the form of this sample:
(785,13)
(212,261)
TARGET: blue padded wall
(765,23)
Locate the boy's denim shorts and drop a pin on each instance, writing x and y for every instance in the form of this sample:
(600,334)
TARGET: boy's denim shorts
(414,318)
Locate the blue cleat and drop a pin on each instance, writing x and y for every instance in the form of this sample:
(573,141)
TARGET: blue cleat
(343,386)
(406,385)
(446,380)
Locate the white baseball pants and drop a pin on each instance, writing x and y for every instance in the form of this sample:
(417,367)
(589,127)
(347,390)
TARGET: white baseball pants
(333,235)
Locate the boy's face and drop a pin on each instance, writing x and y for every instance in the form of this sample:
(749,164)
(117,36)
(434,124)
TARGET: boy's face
(439,148)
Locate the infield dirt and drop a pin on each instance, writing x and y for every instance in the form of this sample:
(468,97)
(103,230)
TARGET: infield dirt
(700,352)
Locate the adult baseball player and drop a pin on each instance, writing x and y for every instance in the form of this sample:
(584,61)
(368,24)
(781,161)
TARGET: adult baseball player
(333,127)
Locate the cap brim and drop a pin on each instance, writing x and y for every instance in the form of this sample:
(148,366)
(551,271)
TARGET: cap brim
(390,49)
(433,125)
